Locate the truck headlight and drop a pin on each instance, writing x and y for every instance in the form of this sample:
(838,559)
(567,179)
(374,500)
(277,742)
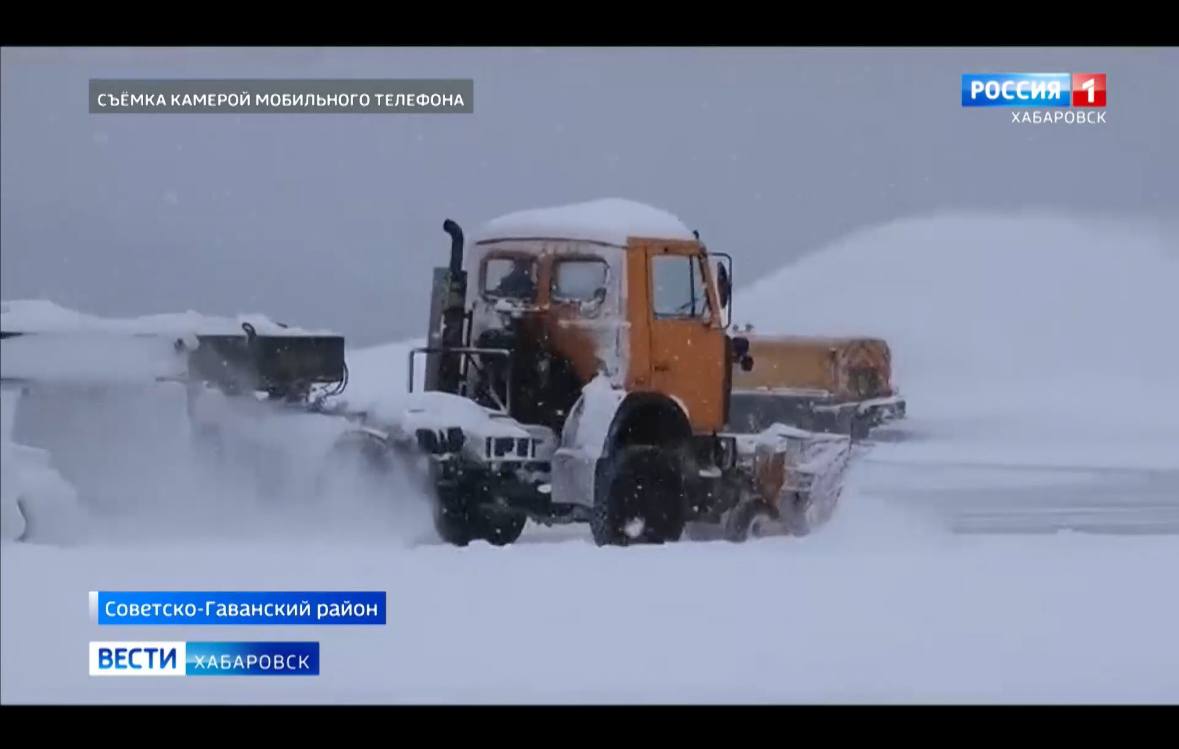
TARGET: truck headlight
(428,441)
(455,439)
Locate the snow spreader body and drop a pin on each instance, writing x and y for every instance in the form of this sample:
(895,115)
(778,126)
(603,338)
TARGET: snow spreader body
(594,339)
(841,385)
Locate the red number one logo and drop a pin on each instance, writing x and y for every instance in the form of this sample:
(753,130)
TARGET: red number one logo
(1088,89)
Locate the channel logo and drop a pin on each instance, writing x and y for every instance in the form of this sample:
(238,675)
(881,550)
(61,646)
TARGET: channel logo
(204,658)
(1033,89)
(1088,89)
(138,658)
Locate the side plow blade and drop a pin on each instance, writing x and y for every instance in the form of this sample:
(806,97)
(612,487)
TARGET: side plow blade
(797,479)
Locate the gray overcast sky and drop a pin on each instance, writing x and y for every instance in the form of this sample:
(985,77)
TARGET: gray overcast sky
(335,220)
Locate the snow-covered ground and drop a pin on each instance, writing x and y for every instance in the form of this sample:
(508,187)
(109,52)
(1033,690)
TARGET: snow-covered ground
(1014,539)
(880,608)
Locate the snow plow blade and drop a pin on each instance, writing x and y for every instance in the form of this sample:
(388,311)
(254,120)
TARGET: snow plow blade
(800,475)
(796,478)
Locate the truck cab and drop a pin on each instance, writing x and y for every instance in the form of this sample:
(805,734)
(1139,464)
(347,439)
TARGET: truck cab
(642,310)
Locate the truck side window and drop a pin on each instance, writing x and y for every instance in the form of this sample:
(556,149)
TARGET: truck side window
(579,279)
(678,287)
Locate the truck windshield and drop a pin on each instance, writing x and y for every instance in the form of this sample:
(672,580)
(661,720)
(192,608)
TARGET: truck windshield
(510,277)
(579,279)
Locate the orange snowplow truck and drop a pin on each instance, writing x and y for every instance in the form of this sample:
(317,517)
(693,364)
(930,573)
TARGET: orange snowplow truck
(839,385)
(579,368)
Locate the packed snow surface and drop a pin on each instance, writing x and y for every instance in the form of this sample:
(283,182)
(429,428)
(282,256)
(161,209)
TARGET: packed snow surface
(608,220)
(1013,540)
(877,609)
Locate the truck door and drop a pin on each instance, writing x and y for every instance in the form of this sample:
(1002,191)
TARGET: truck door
(687,335)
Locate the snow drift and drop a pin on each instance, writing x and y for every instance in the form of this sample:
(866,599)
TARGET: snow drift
(1013,332)
(36,503)
(1028,298)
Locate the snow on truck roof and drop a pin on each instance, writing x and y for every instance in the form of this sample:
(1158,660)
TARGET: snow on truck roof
(609,220)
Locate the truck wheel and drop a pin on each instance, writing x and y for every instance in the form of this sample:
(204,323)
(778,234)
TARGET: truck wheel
(500,528)
(643,500)
(458,522)
(452,517)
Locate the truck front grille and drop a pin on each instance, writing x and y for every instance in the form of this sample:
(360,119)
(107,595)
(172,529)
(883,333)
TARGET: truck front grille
(510,447)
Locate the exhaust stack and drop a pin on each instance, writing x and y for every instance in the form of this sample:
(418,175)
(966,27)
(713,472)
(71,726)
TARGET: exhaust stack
(448,300)
(456,245)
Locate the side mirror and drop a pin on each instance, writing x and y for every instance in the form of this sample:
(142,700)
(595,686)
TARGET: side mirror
(591,306)
(724,286)
(741,353)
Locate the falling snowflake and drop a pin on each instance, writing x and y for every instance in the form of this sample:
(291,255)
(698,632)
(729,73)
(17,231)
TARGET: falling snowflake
(634,528)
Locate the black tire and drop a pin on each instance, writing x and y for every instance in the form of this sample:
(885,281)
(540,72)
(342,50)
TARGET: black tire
(499,528)
(458,521)
(642,500)
(452,517)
